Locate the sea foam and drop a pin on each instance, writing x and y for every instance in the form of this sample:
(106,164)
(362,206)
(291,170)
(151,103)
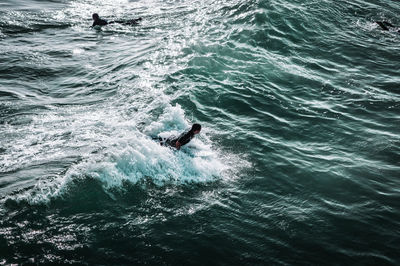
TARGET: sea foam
(134,157)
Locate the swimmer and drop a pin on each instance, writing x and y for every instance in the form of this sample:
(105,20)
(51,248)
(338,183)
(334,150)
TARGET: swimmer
(182,139)
(97,21)
(385,25)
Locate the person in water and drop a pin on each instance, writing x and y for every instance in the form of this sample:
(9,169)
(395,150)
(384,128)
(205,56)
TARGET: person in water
(97,21)
(385,25)
(184,138)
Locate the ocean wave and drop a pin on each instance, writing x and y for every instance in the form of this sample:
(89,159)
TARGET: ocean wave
(133,157)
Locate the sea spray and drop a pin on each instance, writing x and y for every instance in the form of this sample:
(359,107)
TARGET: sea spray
(134,157)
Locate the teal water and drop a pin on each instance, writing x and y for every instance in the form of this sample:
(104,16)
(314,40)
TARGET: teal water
(298,161)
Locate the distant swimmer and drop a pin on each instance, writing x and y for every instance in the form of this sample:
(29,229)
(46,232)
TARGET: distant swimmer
(97,21)
(184,138)
(386,25)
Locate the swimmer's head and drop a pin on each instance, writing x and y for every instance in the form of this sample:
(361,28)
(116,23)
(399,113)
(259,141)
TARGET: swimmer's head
(95,16)
(196,128)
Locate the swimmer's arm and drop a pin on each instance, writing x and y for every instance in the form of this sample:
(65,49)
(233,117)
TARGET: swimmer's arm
(382,25)
(178,145)
(388,24)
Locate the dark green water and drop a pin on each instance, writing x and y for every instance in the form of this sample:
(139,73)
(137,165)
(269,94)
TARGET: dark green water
(298,162)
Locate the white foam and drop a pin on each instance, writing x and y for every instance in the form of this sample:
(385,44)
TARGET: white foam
(172,120)
(132,156)
(77,51)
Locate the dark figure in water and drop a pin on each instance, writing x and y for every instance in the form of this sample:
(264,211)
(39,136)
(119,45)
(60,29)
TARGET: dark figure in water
(386,25)
(182,139)
(97,21)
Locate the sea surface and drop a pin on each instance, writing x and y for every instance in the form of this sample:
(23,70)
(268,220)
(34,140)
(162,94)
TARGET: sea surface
(297,163)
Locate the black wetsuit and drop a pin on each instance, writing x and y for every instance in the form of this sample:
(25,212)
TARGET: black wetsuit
(183,138)
(102,22)
(99,22)
(386,25)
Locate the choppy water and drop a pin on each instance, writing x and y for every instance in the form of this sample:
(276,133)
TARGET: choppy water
(298,161)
